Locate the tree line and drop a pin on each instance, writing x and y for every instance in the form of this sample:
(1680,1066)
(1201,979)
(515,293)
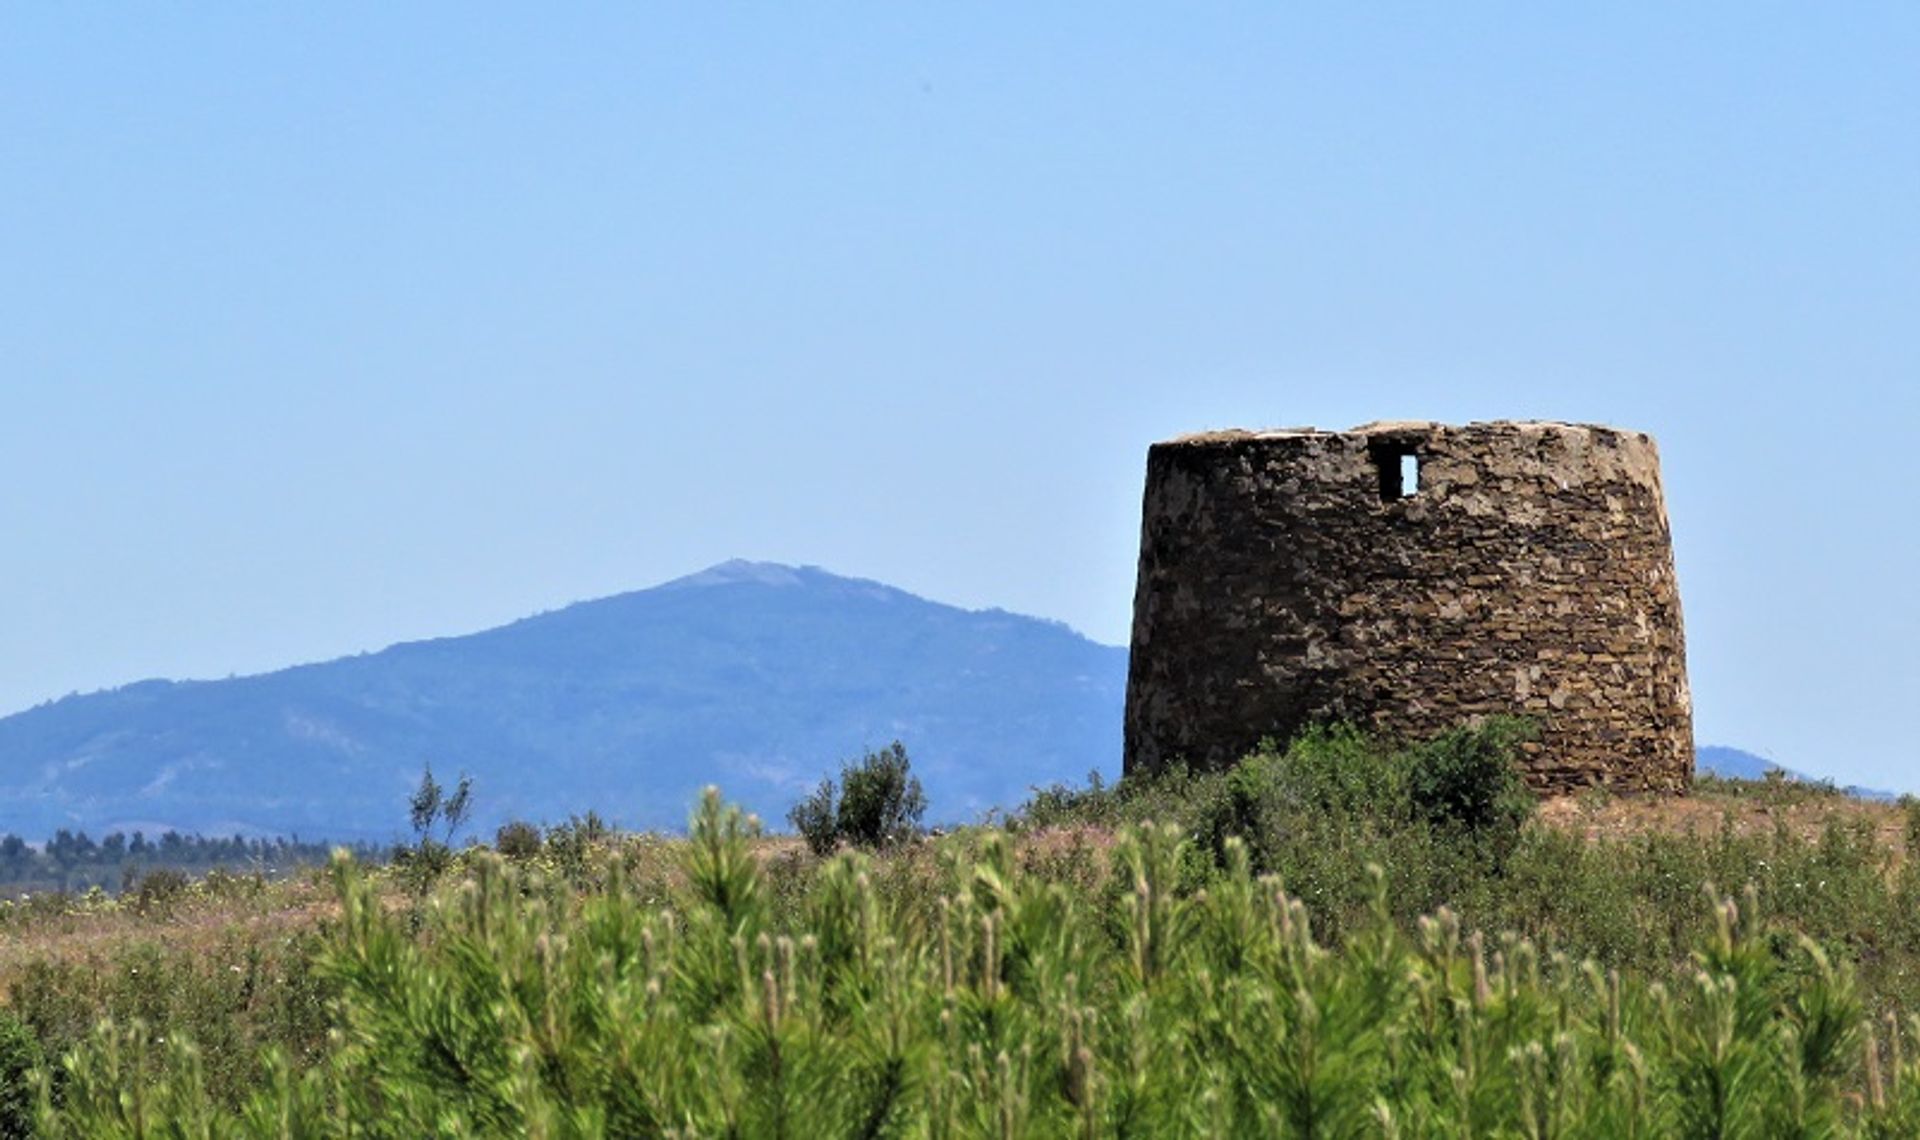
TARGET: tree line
(74,861)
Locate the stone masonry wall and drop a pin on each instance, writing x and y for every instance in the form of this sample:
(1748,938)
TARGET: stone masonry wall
(1284,581)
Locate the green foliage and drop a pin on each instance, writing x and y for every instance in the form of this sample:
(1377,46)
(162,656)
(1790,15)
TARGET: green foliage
(817,818)
(156,891)
(517,839)
(877,803)
(1176,794)
(432,808)
(880,800)
(20,1056)
(1775,788)
(1063,805)
(1117,979)
(1014,1006)
(1467,779)
(233,995)
(571,846)
(1439,817)
(1319,812)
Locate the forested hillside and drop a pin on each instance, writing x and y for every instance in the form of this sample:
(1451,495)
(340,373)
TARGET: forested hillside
(755,676)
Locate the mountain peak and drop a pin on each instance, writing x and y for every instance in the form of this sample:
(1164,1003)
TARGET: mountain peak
(780,576)
(735,571)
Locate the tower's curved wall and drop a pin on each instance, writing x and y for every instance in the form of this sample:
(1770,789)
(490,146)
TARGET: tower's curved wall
(1285,579)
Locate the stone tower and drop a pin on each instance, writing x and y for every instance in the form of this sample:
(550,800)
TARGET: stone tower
(1409,577)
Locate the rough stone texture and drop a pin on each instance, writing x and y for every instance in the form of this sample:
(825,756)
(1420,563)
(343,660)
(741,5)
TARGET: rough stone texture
(1282,583)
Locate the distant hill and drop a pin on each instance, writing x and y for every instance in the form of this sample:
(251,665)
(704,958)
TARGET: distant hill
(754,676)
(1736,764)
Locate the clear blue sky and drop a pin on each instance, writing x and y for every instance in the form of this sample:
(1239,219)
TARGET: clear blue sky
(331,327)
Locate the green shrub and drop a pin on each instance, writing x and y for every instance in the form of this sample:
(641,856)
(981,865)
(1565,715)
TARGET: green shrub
(1330,777)
(571,845)
(517,839)
(1062,805)
(1468,778)
(1337,770)
(817,818)
(432,807)
(587,829)
(1774,787)
(156,891)
(877,803)
(20,1055)
(220,883)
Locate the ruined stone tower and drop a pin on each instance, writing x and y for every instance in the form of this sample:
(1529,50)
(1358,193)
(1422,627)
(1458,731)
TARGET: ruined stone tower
(1409,577)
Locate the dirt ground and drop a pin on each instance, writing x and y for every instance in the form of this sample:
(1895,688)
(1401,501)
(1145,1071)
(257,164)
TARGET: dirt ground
(1756,809)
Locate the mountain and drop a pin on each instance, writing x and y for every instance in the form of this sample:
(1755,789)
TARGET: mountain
(757,677)
(1736,764)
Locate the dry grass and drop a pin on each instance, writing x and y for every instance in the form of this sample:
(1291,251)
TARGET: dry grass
(101,929)
(1745,809)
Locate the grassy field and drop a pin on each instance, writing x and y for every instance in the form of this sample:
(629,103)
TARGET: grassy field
(1334,940)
